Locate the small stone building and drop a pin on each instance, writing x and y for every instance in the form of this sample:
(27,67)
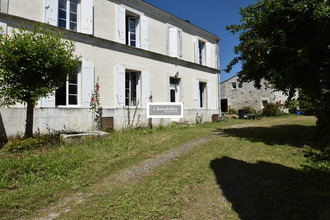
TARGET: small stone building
(235,95)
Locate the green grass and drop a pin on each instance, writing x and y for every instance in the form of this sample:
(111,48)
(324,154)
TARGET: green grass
(270,171)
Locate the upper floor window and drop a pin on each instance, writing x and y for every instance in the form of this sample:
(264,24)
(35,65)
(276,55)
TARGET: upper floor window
(201,52)
(68,14)
(233,85)
(132,29)
(75,15)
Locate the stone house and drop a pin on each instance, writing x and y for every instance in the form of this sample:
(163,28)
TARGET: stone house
(235,95)
(134,48)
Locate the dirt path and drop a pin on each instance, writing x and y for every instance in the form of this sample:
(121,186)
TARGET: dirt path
(125,176)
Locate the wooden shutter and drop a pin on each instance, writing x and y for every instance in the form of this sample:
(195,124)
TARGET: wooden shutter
(120,87)
(196,50)
(48,102)
(87,83)
(87,16)
(121,25)
(144,33)
(208,54)
(179,42)
(209,96)
(197,95)
(51,12)
(145,88)
(173,38)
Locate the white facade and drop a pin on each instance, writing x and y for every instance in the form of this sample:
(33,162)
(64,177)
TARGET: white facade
(135,49)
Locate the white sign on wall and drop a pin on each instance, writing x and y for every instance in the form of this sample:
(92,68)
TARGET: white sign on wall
(165,110)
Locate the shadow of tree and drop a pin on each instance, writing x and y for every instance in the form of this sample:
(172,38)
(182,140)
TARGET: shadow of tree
(294,135)
(272,191)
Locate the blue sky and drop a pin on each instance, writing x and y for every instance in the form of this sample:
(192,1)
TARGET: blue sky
(213,16)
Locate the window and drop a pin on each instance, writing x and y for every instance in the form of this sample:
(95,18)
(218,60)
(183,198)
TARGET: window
(174,89)
(131,31)
(202,94)
(264,103)
(68,94)
(201,52)
(131,88)
(68,14)
(233,85)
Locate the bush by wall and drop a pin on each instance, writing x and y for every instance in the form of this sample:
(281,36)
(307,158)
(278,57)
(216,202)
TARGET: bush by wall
(271,109)
(249,110)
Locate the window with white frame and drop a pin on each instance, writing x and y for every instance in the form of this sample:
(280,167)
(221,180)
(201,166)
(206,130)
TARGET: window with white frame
(68,14)
(202,94)
(76,91)
(174,42)
(174,89)
(201,52)
(132,29)
(69,93)
(75,15)
(132,88)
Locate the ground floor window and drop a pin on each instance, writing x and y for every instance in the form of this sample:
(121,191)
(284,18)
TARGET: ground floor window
(131,88)
(68,94)
(264,103)
(174,89)
(202,94)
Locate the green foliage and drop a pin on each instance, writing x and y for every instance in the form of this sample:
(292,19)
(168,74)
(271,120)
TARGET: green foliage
(249,110)
(292,105)
(270,110)
(306,104)
(20,144)
(33,63)
(286,42)
(233,111)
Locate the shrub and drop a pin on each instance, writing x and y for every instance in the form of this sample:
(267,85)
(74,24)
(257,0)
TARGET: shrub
(271,109)
(249,110)
(233,111)
(20,144)
(292,105)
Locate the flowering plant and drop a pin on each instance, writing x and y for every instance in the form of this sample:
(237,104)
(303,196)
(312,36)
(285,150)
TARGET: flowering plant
(95,104)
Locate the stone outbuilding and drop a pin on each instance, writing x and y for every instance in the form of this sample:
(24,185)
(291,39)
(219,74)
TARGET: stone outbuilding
(236,96)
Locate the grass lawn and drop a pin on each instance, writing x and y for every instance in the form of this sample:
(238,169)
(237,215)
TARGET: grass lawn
(268,169)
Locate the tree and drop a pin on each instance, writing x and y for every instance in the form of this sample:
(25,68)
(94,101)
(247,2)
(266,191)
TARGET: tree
(32,65)
(287,43)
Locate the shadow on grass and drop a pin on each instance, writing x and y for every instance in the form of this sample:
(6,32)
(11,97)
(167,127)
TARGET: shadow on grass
(294,135)
(272,191)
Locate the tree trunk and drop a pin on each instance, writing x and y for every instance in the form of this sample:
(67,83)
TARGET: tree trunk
(29,120)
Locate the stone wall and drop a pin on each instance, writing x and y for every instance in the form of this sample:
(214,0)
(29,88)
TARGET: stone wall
(248,95)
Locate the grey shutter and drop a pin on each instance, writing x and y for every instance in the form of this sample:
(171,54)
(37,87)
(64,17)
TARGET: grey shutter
(144,33)
(121,25)
(145,88)
(196,50)
(87,82)
(173,38)
(197,95)
(120,87)
(87,16)
(51,12)
(208,54)
(209,96)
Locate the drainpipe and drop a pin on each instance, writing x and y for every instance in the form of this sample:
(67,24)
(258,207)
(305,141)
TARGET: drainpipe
(219,95)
